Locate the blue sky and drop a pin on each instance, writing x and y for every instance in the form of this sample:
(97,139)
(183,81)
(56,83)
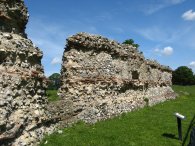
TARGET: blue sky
(164,29)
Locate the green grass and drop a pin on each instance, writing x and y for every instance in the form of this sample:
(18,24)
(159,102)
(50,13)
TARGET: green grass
(184,90)
(52,95)
(144,127)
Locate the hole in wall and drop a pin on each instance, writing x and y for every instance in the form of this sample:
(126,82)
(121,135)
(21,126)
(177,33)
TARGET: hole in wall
(135,75)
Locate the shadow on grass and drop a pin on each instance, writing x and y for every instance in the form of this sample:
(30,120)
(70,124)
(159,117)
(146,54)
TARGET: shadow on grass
(172,136)
(188,131)
(169,135)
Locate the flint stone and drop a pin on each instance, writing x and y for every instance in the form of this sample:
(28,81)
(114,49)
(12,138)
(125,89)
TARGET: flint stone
(22,80)
(109,78)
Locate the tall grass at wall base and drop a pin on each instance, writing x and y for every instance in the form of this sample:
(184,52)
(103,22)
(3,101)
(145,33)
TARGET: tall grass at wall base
(52,95)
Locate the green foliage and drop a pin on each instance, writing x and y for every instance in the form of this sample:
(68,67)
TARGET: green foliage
(52,95)
(54,81)
(147,101)
(149,126)
(183,76)
(131,42)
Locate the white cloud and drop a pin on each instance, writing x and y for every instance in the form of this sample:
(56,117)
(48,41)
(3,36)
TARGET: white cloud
(192,64)
(151,8)
(189,15)
(50,38)
(157,50)
(181,35)
(167,51)
(153,33)
(174,2)
(56,60)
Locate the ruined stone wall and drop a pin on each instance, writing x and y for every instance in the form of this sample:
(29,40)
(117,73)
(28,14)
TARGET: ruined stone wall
(102,78)
(22,82)
(13,16)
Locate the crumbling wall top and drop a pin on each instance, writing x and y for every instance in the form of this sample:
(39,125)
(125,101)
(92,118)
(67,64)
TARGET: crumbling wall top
(102,78)
(13,16)
(88,42)
(96,42)
(155,64)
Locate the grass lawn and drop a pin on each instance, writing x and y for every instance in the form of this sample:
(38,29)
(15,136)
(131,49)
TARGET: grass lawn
(52,95)
(150,126)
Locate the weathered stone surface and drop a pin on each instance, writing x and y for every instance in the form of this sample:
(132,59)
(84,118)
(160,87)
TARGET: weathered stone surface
(22,82)
(102,78)
(13,16)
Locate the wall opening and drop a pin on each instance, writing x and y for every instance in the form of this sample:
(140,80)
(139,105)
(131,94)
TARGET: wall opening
(135,75)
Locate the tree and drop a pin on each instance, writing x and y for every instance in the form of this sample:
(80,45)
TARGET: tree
(193,80)
(131,42)
(54,81)
(183,76)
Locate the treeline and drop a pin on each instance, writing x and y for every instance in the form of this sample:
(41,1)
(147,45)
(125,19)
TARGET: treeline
(54,81)
(183,75)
